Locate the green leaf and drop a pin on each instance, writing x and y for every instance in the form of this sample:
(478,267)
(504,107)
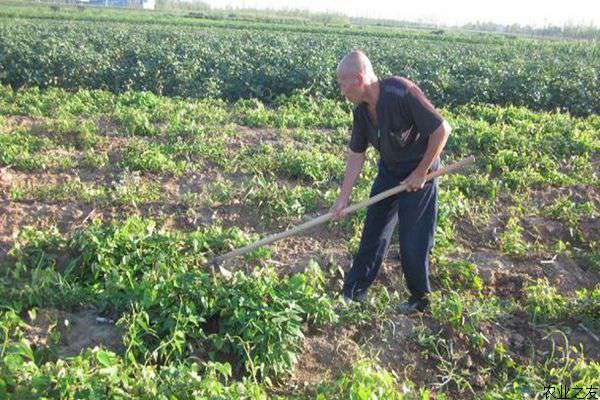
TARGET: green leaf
(107,358)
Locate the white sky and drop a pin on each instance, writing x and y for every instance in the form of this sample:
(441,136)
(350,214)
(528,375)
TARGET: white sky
(448,12)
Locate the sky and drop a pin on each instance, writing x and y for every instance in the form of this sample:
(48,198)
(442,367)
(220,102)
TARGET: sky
(445,12)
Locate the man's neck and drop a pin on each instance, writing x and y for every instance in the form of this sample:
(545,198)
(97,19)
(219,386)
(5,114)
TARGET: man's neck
(372,93)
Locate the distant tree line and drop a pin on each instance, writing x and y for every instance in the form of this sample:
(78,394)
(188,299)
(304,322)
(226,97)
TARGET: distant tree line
(202,9)
(566,31)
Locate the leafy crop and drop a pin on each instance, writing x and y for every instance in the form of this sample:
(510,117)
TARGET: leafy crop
(178,61)
(168,307)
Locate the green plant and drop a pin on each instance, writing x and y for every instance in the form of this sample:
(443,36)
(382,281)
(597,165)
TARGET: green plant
(309,165)
(458,275)
(143,156)
(465,312)
(278,201)
(544,303)
(586,306)
(369,381)
(511,239)
(164,56)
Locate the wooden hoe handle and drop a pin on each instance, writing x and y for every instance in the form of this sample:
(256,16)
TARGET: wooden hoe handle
(326,217)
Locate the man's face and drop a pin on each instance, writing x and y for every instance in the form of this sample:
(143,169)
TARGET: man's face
(350,86)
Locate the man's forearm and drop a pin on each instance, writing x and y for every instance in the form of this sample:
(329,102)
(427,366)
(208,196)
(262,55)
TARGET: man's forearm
(354,163)
(436,144)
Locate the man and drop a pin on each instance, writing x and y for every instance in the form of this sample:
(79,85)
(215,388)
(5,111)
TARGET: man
(396,118)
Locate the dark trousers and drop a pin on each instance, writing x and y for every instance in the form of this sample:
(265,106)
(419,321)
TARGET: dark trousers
(416,213)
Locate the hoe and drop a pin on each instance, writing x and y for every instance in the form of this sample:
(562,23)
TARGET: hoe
(217,261)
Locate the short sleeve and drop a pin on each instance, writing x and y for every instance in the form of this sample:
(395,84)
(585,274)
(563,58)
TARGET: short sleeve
(426,117)
(358,140)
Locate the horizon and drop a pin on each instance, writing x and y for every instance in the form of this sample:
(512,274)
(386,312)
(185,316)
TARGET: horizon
(534,13)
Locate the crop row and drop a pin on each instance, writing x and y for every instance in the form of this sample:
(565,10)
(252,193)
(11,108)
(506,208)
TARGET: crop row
(127,141)
(237,63)
(186,333)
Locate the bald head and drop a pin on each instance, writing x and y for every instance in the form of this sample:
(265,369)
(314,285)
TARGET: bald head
(356,78)
(355,63)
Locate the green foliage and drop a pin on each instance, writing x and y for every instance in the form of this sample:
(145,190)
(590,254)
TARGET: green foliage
(587,306)
(101,374)
(313,166)
(72,189)
(82,134)
(178,61)
(93,160)
(173,311)
(135,121)
(571,212)
(279,201)
(296,109)
(167,305)
(149,157)
(530,380)
(369,381)
(315,137)
(376,308)
(465,312)
(544,303)
(511,239)
(593,258)
(20,149)
(560,147)
(131,189)
(261,318)
(458,275)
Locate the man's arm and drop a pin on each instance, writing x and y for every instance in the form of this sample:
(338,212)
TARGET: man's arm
(354,164)
(435,145)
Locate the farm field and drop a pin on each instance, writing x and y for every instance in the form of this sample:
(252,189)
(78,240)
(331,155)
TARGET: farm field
(233,62)
(113,199)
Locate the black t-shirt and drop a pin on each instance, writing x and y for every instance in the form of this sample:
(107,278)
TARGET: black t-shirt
(405,119)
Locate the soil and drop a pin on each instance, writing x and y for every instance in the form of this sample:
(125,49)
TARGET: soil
(78,331)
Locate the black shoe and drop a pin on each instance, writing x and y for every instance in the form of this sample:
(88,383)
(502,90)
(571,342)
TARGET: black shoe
(354,296)
(357,297)
(347,303)
(414,305)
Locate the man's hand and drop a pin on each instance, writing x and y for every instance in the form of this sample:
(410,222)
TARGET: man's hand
(338,207)
(415,181)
